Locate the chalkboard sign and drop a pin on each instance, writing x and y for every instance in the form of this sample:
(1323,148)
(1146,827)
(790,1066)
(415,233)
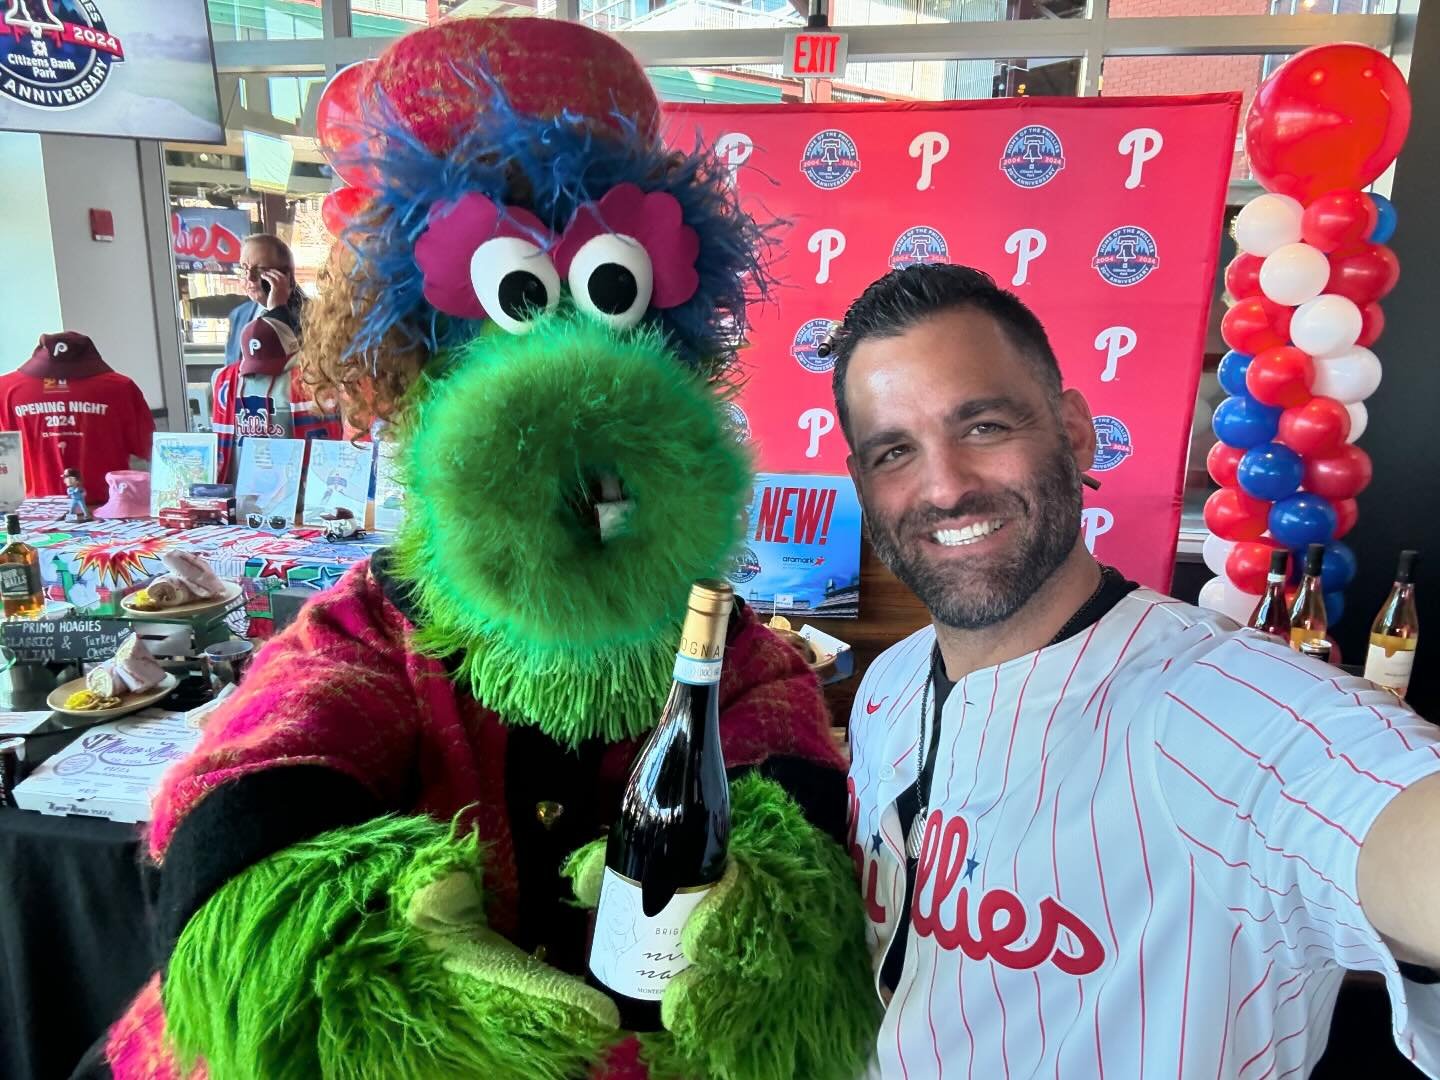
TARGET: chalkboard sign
(38,641)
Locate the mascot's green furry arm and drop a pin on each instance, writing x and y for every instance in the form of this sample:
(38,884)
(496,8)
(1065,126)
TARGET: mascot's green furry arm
(361,864)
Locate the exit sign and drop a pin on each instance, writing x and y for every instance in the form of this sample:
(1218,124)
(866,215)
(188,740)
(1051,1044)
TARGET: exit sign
(815,54)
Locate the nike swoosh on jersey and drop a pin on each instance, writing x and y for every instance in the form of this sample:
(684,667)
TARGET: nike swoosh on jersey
(872,707)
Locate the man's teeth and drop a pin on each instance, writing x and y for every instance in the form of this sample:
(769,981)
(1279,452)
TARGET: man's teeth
(968,535)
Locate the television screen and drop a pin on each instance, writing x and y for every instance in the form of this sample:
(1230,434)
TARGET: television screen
(141,69)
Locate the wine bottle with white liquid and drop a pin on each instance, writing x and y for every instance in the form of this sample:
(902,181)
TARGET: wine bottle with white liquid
(668,846)
(1395,633)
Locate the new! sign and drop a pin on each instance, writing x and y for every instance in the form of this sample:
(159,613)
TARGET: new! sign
(815,54)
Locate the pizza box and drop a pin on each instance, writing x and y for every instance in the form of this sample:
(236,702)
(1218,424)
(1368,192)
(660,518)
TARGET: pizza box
(111,770)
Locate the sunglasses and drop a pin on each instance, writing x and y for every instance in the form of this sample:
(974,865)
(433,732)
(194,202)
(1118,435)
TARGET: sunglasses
(259,521)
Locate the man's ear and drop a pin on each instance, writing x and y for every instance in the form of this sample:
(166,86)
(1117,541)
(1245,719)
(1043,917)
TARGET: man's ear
(853,467)
(1079,428)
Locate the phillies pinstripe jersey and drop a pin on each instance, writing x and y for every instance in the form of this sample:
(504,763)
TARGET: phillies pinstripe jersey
(1139,854)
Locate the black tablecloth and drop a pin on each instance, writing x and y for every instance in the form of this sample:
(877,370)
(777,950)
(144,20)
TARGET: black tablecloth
(74,939)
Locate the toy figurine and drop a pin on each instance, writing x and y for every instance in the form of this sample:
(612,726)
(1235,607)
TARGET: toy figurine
(78,511)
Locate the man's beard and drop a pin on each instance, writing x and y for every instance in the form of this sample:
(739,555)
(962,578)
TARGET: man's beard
(971,596)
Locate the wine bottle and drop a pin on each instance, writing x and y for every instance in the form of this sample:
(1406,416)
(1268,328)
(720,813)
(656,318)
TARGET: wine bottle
(1307,613)
(1271,614)
(20,592)
(668,846)
(1395,633)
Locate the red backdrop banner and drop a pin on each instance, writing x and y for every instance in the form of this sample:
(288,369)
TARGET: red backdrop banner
(1103,214)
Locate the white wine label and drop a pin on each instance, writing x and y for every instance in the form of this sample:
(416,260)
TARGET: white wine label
(696,672)
(631,953)
(1391,672)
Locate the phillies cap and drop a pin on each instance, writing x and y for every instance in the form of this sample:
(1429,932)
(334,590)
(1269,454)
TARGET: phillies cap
(266,346)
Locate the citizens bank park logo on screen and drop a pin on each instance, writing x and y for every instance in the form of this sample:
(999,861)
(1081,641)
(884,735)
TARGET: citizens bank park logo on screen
(1033,157)
(806,346)
(53,59)
(1126,256)
(746,566)
(738,422)
(917,246)
(1112,443)
(831,158)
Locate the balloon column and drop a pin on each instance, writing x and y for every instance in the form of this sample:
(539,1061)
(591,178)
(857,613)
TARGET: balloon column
(1305,292)
(338,131)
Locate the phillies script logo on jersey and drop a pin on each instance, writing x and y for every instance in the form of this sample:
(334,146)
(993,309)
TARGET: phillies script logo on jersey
(830,160)
(1000,918)
(55,59)
(255,416)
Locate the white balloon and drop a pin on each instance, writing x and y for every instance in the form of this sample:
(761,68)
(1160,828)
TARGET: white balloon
(1218,594)
(1215,551)
(1359,419)
(1326,326)
(1267,223)
(1294,274)
(1349,377)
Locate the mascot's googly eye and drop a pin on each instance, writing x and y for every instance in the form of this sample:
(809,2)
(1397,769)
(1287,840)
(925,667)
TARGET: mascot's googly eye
(612,280)
(625,226)
(515,281)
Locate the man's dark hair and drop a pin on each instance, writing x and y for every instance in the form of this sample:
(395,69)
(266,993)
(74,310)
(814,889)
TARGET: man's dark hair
(903,298)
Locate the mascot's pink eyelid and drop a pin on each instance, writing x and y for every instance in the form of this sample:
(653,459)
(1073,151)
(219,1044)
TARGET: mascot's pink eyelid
(653,219)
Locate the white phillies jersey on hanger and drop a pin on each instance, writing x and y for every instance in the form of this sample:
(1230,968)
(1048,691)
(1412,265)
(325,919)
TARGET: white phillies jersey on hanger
(1139,857)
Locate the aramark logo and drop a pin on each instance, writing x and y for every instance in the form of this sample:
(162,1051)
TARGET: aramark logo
(745,567)
(918,245)
(1112,443)
(1033,157)
(1126,256)
(806,346)
(54,61)
(830,159)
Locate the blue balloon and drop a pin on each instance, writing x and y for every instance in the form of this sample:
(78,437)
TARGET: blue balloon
(1334,607)
(1270,471)
(1386,219)
(1302,520)
(1233,366)
(1338,569)
(1243,422)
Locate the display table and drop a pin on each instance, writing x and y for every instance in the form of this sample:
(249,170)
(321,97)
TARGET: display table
(92,565)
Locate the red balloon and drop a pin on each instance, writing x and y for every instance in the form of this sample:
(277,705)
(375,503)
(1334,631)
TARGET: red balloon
(1316,429)
(1333,116)
(1340,476)
(1337,220)
(1232,515)
(339,124)
(1242,276)
(340,207)
(1372,324)
(1248,565)
(1281,376)
(1363,274)
(1347,512)
(1256,324)
(1222,461)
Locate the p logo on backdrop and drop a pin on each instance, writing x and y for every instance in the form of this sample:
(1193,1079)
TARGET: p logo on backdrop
(1012,188)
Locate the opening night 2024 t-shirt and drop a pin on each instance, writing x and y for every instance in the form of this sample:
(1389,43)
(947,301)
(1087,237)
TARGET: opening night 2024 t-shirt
(93,424)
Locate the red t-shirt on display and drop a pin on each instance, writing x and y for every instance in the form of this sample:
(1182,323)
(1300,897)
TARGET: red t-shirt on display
(92,424)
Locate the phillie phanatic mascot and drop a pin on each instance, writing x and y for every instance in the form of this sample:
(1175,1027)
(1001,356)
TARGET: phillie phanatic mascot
(377,864)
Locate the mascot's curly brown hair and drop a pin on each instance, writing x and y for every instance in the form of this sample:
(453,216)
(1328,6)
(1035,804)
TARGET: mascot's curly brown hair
(369,866)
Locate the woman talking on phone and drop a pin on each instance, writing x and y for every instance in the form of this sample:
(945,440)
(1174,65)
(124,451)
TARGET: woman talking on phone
(268,270)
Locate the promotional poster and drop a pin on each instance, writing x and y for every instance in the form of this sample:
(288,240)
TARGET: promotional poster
(207,240)
(139,69)
(801,552)
(1070,203)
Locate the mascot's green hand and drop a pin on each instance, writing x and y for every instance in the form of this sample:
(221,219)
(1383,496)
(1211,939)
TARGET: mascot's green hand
(364,953)
(780,983)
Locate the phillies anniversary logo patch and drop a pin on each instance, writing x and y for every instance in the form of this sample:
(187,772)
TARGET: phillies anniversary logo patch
(55,59)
